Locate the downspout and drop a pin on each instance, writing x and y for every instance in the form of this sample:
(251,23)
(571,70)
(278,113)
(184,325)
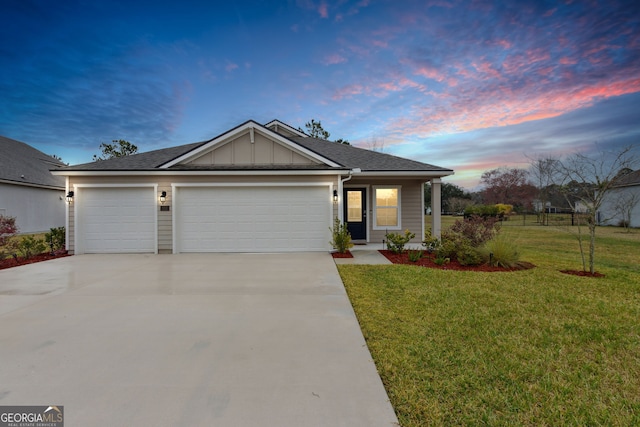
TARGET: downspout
(67,206)
(341,192)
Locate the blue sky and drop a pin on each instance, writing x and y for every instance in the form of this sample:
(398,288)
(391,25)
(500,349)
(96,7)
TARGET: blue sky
(468,85)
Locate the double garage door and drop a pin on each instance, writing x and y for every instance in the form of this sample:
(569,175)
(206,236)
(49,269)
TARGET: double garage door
(252,219)
(206,219)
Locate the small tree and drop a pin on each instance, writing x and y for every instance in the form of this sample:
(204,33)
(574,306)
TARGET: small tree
(507,185)
(593,177)
(315,130)
(624,205)
(8,229)
(341,238)
(544,173)
(119,148)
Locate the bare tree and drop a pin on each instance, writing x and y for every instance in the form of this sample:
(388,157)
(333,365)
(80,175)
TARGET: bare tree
(543,170)
(623,207)
(593,177)
(459,204)
(375,144)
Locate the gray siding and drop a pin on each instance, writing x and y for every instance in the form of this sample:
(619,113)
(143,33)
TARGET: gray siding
(35,209)
(411,209)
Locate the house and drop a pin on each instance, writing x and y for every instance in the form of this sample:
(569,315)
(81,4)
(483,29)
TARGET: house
(28,190)
(254,188)
(622,202)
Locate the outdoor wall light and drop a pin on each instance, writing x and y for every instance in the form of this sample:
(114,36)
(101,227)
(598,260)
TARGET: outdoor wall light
(70,197)
(163,197)
(335,196)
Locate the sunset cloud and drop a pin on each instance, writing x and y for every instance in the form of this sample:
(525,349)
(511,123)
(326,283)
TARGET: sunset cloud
(462,84)
(334,59)
(323,10)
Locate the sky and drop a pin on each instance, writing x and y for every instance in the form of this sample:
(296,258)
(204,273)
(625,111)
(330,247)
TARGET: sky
(467,85)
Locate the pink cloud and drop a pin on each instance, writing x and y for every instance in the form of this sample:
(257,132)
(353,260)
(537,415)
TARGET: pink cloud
(487,68)
(380,43)
(348,91)
(323,10)
(506,44)
(230,66)
(567,61)
(473,109)
(398,84)
(334,59)
(430,73)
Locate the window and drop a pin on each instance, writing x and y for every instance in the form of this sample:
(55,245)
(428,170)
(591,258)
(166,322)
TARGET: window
(387,208)
(354,206)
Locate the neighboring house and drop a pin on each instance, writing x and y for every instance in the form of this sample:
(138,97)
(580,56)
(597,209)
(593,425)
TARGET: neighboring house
(254,188)
(622,202)
(28,190)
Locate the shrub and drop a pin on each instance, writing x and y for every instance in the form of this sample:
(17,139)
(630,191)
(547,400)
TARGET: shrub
(476,229)
(463,239)
(341,237)
(441,260)
(397,241)
(430,243)
(504,210)
(414,256)
(481,210)
(8,229)
(30,246)
(56,236)
(500,252)
(448,248)
(468,255)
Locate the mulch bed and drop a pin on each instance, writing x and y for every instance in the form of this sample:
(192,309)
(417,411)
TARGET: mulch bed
(427,261)
(14,262)
(342,255)
(582,273)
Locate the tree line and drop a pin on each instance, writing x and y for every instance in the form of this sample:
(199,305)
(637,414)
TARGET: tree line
(578,183)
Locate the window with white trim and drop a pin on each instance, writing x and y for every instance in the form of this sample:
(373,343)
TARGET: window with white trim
(386,211)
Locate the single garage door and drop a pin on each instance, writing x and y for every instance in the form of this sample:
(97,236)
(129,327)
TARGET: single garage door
(115,220)
(252,219)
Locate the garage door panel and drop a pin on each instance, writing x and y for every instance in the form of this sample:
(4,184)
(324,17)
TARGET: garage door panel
(248,219)
(116,220)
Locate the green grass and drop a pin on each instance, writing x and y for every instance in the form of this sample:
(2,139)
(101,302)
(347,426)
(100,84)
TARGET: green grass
(533,347)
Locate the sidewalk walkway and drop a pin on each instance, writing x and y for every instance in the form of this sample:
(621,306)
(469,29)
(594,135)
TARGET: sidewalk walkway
(364,254)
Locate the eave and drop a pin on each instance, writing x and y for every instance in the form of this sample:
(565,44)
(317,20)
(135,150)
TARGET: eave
(29,184)
(240,172)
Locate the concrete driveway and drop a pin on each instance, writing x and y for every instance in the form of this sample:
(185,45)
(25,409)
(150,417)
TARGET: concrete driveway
(188,340)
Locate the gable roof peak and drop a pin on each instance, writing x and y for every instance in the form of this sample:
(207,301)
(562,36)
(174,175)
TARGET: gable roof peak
(276,124)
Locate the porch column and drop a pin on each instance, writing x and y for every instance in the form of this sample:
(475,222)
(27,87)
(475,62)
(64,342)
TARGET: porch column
(436,207)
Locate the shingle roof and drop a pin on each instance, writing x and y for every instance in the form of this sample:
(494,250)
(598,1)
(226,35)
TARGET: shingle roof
(348,156)
(632,178)
(23,164)
(367,160)
(149,160)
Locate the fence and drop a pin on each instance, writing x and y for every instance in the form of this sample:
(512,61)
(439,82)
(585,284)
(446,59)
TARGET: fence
(546,219)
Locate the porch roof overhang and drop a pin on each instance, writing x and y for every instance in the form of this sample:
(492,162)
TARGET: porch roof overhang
(200,172)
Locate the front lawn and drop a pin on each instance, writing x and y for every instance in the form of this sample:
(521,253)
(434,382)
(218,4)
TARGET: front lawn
(533,347)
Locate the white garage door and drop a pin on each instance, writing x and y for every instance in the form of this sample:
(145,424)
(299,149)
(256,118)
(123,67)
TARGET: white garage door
(252,219)
(115,220)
